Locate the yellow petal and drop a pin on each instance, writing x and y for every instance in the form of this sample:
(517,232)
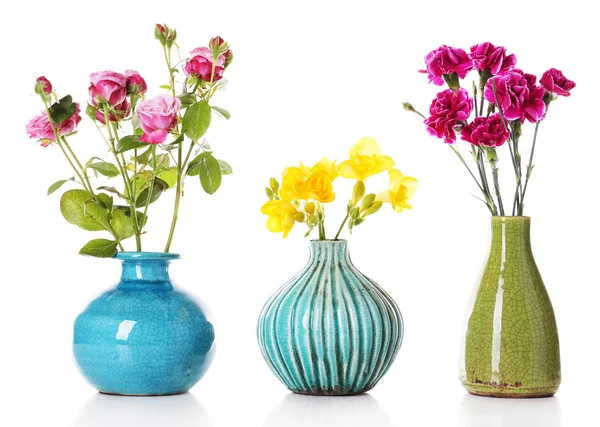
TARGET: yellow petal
(383,163)
(394,174)
(384,196)
(347,170)
(274,223)
(411,185)
(269,207)
(366,147)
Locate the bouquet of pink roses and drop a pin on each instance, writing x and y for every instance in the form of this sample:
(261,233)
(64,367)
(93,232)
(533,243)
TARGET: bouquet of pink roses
(504,98)
(174,123)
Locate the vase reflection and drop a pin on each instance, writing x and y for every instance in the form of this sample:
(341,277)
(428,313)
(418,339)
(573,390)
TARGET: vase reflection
(103,410)
(493,412)
(316,411)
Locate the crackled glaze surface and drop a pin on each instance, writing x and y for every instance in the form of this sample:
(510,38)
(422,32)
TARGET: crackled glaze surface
(143,337)
(330,330)
(511,342)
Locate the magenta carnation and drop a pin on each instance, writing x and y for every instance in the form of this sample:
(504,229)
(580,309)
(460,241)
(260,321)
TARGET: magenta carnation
(486,56)
(518,96)
(555,82)
(488,131)
(447,110)
(446,60)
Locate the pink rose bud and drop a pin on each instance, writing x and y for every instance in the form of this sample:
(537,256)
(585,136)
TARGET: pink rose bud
(165,35)
(40,128)
(136,85)
(215,43)
(448,110)
(43,86)
(158,116)
(518,96)
(556,83)
(108,86)
(486,131)
(486,56)
(201,65)
(446,61)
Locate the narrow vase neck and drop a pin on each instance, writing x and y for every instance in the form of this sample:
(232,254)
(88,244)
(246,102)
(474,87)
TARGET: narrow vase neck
(328,250)
(511,231)
(145,271)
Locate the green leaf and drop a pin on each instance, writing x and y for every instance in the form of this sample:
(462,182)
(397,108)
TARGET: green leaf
(58,184)
(168,87)
(222,112)
(105,201)
(101,248)
(225,167)
(196,120)
(129,142)
(112,190)
(144,158)
(210,172)
(62,110)
(157,190)
(106,169)
(78,208)
(163,161)
(170,146)
(123,224)
(169,176)
(187,99)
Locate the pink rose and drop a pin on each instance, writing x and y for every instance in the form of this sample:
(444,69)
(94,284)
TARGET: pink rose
(447,110)
(555,82)
(39,127)
(201,64)
(108,86)
(136,85)
(43,86)
(447,60)
(486,56)
(518,95)
(158,116)
(488,131)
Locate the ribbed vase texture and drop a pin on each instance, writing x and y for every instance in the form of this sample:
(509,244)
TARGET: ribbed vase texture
(511,344)
(330,330)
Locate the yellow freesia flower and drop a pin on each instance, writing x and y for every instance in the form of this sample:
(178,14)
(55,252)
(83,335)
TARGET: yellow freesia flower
(281,216)
(306,183)
(365,160)
(400,190)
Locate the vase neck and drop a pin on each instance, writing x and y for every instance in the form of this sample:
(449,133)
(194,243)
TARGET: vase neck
(327,250)
(145,271)
(511,231)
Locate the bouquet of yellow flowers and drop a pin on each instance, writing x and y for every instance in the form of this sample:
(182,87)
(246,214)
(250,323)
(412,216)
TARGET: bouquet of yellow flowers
(304,191)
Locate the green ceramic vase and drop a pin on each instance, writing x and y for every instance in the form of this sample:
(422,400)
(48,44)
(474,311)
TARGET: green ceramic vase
(511,342)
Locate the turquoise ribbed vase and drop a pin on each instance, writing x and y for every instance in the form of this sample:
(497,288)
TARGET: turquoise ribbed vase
(330,330)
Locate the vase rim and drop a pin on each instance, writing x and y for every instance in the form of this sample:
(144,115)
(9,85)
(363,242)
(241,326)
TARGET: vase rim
(134,255)
(511,217)
(329,240)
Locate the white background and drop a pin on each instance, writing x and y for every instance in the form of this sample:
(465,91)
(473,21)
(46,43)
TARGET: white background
(308,80)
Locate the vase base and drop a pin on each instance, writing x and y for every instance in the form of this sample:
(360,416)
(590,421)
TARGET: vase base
(112,393)
(510,392)
(317,392)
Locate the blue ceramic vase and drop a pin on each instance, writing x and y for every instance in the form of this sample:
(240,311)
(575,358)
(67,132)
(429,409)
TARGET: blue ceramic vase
(330,330)
(143,337)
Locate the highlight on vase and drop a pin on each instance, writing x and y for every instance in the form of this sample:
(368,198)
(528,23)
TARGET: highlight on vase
(331,330)
(142,337)
(511,344)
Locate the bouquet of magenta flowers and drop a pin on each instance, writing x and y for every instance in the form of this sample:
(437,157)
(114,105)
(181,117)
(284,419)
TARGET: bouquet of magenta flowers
(503,99)
(153,143)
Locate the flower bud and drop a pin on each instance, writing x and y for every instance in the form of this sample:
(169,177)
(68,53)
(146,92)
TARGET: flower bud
(269,193)
(367,201)
(373,208)
(165,35)
(299,217)
(274,185)
(358,192)
(91,111)
(358,221)
(312,220)
(43,86)
(310,208)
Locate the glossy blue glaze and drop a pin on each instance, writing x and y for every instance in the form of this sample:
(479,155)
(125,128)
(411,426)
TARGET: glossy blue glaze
(143,337)
(330,330)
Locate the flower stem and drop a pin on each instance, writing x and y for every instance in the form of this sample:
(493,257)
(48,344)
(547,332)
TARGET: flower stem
(177,198)
(149,198)
(529,168)
(342,226)
(488,202)
(497,187)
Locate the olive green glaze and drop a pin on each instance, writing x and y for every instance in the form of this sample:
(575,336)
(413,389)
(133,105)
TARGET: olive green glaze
(511,343)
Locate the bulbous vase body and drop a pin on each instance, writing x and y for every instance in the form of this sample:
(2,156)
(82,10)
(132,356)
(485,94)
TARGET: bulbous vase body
(330,330)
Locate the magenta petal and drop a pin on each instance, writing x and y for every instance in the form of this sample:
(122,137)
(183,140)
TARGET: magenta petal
(156,137)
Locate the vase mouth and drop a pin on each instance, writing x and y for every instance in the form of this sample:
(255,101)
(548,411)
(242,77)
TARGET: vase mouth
(510,218)
(134,255)
(328,240)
